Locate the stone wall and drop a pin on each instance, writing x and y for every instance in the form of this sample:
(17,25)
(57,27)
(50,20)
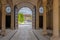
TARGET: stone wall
(0,18)
(0,15)
(49,14)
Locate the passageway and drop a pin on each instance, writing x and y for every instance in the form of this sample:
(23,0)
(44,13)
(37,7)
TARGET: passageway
(24,33)
(25,28)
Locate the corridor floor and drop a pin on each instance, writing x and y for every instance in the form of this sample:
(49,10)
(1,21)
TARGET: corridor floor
(24,33)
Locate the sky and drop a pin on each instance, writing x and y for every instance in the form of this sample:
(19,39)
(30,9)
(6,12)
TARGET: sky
(25,10)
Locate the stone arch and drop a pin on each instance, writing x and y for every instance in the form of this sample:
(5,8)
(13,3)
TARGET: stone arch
(29,5)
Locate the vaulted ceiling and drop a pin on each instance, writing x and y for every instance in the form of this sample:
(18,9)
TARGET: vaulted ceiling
(34,2)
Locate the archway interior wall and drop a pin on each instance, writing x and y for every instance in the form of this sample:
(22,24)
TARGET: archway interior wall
(19,6)
(34,2)
(4,5)
(49,14)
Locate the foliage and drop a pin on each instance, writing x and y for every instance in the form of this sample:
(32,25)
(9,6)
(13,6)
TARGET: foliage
(20,18)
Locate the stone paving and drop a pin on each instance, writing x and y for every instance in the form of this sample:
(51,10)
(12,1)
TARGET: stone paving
(40,36)
(25,32)
(9,34)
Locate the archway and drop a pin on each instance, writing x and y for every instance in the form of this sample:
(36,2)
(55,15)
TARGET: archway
(17,7)
(25,17)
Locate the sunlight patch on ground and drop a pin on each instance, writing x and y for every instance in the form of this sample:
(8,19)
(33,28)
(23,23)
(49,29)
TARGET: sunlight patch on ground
(20,23)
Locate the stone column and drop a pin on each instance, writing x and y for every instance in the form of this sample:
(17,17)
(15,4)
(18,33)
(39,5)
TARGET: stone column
(55,20)
(16,17)
(37,17)
(44,17)
(3,19)
(3,32)
(33,18)
(12,17)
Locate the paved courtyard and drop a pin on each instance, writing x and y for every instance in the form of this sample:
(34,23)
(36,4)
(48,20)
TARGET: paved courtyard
(25,32)
(9,34)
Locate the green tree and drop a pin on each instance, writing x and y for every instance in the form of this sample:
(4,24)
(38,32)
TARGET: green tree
(20,17)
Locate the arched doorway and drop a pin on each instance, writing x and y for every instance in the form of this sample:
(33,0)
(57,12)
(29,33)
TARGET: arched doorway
(17,7)
(25,17)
